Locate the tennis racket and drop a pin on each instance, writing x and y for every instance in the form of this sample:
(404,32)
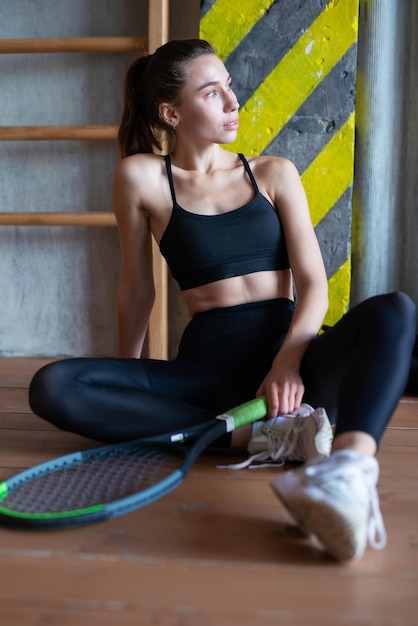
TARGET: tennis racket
(108,481)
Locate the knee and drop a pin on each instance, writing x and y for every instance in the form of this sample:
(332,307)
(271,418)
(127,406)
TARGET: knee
(39,389)
(402,308)
(397,314)
(47,391)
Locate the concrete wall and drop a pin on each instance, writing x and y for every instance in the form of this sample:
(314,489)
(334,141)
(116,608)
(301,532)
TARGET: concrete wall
(58,285)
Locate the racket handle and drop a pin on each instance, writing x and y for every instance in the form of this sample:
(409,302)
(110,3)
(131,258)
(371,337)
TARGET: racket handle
(245,413)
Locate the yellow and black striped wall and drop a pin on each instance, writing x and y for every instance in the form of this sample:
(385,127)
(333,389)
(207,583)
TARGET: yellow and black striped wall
(293,65)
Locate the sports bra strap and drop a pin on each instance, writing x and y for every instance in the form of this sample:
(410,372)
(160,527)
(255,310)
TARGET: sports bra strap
(249,172)
(170,177)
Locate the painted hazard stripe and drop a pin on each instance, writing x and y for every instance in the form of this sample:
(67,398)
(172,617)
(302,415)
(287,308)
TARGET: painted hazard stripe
(305,65)
(333,166)
(225,34)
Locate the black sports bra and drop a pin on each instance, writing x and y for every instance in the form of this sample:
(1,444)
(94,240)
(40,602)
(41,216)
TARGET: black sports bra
(201,249)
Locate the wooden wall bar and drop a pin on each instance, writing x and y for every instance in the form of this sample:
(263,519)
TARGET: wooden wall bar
(73,44)
(158,33)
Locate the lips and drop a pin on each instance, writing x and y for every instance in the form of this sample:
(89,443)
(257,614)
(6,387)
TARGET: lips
(232,124)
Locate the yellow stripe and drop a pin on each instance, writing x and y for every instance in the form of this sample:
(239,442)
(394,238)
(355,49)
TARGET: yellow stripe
(339,293)
(228,21)
(330,173)
(296,76)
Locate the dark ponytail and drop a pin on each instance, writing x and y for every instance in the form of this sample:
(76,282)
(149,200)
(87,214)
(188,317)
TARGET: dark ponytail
(135,134)
(150,80)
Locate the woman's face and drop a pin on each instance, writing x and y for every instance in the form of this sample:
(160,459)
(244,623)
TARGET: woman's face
(209,108)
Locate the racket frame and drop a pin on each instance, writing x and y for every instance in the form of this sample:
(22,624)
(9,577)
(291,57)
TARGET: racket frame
(204,435)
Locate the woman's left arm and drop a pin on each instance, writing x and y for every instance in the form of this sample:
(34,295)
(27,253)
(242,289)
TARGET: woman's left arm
(283,385)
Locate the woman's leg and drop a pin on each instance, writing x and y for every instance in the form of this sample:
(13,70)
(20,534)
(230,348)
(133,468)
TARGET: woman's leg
(117,399)
(221,362)
(358,369)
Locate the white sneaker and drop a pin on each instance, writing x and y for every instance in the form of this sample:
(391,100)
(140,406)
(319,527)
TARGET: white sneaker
(337,500)
(298,436)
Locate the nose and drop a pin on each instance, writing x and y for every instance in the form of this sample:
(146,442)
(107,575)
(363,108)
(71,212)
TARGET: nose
(231,101)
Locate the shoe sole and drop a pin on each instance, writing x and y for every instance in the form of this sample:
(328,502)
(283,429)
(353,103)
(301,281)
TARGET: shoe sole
(299,519)
(318,518)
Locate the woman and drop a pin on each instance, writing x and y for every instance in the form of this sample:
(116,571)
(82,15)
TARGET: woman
(238,238)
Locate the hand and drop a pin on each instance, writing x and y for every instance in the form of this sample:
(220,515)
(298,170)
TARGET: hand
(283,389)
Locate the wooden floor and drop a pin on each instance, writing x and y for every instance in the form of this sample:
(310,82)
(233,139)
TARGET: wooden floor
(219,551)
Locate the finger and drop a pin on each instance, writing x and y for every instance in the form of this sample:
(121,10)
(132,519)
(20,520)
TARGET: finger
(299,395)
(283,402)
(295,392)
(273,402)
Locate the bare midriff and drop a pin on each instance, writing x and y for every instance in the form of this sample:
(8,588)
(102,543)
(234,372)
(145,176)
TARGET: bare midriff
(237,290)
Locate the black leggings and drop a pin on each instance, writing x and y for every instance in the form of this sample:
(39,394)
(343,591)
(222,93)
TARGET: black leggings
(357,370)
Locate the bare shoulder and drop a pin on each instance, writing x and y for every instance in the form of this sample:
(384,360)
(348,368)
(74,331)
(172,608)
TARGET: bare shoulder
(138,167)
(276,176)
(137,183)
(275,168)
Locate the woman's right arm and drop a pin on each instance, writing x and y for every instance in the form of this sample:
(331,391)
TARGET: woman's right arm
(136,290)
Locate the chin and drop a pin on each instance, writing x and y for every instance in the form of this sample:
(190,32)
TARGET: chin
(228,140)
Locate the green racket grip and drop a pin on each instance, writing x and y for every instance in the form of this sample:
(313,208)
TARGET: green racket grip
(245,413)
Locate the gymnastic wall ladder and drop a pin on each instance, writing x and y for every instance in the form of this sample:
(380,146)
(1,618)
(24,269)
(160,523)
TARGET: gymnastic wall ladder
(158,33)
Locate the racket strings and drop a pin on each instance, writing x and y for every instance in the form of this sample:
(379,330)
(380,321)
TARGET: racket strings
(94,481)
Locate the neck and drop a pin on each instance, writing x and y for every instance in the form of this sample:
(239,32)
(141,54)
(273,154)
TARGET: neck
(203,159)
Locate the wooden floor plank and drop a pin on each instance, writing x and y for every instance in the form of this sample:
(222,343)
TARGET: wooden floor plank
(218,551)
(406,415)
(17,372)
(14,400)
(23,421)
(209,594)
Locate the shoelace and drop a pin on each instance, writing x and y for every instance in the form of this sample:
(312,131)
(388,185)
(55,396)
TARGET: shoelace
(281,444)
(376,532)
